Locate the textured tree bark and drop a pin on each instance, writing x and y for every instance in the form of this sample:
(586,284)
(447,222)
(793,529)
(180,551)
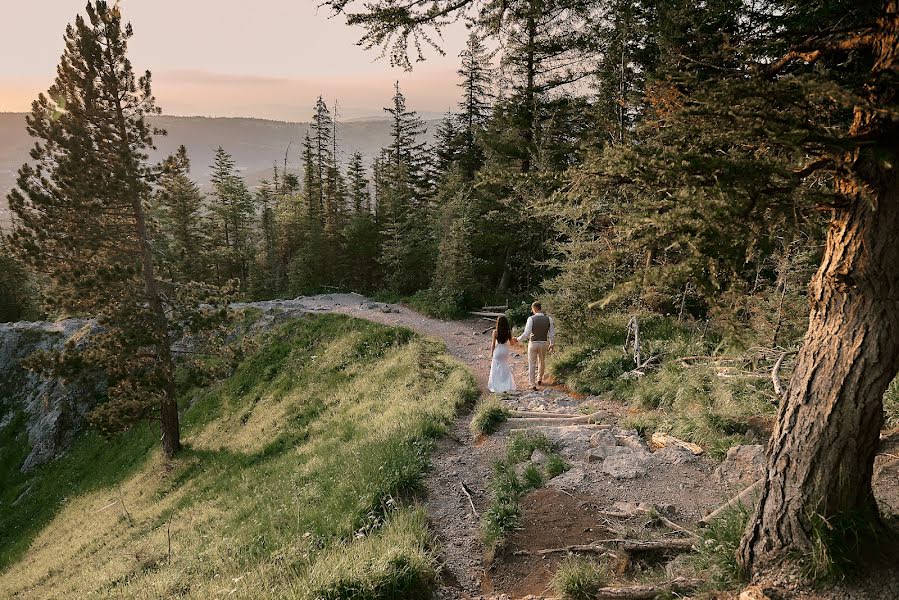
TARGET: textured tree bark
(821,456)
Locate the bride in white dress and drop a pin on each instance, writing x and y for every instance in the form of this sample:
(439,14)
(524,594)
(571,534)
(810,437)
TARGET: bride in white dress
(501,379)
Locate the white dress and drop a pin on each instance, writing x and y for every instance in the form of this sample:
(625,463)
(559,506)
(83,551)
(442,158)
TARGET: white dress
(501,379)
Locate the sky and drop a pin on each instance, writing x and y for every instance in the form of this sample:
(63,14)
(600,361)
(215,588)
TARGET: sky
(257,58)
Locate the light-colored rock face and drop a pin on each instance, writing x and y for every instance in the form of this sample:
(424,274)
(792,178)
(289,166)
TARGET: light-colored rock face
(53,411)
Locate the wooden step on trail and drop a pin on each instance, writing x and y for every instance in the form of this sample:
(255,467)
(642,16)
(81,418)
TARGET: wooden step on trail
(567,420)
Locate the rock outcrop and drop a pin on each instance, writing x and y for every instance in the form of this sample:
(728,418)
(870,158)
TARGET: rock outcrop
(46,414)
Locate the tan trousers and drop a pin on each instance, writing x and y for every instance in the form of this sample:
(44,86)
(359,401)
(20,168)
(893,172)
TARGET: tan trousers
(536,361)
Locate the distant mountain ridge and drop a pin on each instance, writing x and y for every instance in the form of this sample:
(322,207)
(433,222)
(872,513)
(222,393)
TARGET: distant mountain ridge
(255,144)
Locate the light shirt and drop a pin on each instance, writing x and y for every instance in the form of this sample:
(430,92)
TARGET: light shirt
(529,326)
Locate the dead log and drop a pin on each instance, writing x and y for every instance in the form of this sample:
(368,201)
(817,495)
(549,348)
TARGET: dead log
(740,498)
(495,308)
(487,314)
(583,419)
(603,546)
(536,428)
(648,591)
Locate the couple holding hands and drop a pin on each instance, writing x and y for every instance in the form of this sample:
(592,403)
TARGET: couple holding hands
(540,332)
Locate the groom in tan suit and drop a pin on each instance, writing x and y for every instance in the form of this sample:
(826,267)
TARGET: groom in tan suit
(540,332)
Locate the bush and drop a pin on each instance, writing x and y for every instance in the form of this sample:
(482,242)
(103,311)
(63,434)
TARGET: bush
(440,303)
(489,415)
(579,579)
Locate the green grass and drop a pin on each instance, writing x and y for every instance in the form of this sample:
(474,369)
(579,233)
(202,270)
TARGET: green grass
(579,578)
(298,480)
(688,401)
(715,553)
(489,414)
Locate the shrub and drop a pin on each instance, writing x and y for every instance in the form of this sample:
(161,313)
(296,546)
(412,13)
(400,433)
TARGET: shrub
(489,415)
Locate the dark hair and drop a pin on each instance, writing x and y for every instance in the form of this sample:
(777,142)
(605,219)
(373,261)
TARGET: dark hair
(536,306)
(503,330)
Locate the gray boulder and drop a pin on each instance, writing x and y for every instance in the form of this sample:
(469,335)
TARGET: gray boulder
(628,465)
(675,455)
(742,466)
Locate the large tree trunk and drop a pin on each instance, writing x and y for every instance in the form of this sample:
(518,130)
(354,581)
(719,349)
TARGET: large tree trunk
(821,455)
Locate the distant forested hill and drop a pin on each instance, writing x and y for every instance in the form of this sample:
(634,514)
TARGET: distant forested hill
(254,143)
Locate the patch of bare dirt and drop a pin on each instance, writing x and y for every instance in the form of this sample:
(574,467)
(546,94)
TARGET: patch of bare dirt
(549,519)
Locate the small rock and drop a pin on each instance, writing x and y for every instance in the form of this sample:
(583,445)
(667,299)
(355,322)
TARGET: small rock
(754,592)
(539,457)
(628,465)
(742,467)
(675,455)
(568,480)
(630,438)
(600,453)
(603,437)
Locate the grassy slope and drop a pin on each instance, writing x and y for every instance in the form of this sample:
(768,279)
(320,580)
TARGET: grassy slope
(297,481)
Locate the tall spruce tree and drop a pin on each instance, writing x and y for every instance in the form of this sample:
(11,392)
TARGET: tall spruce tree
(233,215)
(81,223)
(407,252)
(180,228)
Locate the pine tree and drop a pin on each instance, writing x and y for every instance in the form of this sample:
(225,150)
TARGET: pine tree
(19,299)
(177,212)
(233,217)
(404,202)
(80,222)
(474,108)
(359,194)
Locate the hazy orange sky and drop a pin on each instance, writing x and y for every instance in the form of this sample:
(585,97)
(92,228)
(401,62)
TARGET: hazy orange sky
(260,58)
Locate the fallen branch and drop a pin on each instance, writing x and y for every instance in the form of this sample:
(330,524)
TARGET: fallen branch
(738,499)
(646,509)
(584,419)
(775,378)
(540,414)
(648,591)
(468,495)
(601,547)
(525,430)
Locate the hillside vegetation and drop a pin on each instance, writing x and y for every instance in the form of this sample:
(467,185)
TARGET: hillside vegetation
(298,481)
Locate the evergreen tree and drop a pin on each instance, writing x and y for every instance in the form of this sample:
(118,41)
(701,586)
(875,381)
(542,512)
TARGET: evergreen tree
(404,203)
(359,194)
(81,223)
(18,293)
(233,216)
(474,108)
(179,223)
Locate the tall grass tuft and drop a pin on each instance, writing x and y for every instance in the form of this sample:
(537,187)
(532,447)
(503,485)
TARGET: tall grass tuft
(579,578)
